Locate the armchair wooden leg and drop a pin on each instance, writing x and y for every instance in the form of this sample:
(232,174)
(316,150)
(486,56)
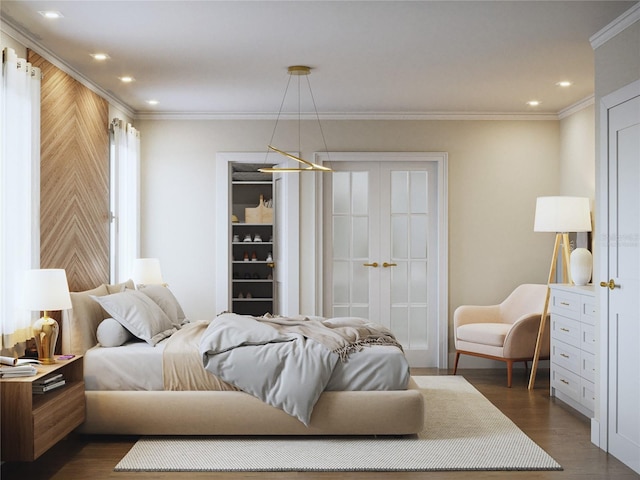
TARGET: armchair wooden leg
(509,372)
(455,363)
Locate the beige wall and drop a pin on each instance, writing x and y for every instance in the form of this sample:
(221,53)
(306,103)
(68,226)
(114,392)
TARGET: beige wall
(578,154)
(496,170)
(617,62)
(7,41)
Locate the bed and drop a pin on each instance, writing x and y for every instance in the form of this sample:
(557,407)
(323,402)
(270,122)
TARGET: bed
(134,388)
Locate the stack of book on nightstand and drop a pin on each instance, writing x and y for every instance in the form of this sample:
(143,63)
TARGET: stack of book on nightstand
(48,383)
(17,367)
(18,371)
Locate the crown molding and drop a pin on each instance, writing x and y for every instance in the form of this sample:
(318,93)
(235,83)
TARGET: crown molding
(576,107)
(48,55)
(628,18)
(439,116)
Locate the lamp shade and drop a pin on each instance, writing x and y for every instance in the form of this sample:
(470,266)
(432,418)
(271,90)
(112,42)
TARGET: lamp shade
(146,271)
(562,214)
(46,289)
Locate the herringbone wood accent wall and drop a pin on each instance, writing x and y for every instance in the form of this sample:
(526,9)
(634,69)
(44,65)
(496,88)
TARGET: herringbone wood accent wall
(74,185)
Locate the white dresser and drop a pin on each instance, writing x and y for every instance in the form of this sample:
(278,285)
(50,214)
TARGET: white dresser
(573,345)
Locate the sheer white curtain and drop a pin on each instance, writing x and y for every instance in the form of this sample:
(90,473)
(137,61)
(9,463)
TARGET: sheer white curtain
(19,191)
(125,199)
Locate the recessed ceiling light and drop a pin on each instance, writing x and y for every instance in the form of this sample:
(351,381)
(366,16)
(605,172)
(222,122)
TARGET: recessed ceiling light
(100,56)
(533,103)
(50,14)
(126,79)
(152,102)
(564,83)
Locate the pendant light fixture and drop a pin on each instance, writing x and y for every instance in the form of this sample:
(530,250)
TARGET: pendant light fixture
(297,71)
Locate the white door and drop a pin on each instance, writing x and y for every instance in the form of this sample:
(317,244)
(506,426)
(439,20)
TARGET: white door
(286,244)
(381,250)
(624,271)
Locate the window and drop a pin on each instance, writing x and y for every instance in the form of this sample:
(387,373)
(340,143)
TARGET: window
(125,199)
(19,191)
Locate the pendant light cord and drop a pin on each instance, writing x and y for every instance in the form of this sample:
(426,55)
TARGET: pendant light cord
(273,134)
(313,100)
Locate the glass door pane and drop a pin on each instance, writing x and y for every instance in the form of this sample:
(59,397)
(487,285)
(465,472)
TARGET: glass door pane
(353,218)
(407,253)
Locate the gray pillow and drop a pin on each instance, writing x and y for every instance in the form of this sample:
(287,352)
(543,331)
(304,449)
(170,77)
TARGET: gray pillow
(111,333)
(166,301)
(139,314)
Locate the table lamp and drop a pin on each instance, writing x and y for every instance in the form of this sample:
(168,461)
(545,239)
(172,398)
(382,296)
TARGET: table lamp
(146,271)
(46,290)
(560,215)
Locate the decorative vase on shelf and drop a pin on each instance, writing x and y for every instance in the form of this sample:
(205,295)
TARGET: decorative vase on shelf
(581,263)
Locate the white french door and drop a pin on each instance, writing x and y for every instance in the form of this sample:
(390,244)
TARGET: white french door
(381,250)
(622,302)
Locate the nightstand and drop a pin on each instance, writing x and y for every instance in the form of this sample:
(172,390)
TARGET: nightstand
(31,424)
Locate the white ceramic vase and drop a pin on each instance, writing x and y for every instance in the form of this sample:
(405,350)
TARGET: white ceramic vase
(581,263)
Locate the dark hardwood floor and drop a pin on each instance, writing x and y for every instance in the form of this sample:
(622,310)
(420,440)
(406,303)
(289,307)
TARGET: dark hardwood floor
(560,431)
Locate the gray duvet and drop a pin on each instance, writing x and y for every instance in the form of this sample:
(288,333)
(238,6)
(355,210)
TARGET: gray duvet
(289,362)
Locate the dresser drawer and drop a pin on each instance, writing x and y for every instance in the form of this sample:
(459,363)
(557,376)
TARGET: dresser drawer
(588,366)
(588,311)
(588,394)
(565,303)
(565,355)
(588,338)
(567,382)
(566,330)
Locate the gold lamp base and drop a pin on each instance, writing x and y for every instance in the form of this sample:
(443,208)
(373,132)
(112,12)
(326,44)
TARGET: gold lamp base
(45,332)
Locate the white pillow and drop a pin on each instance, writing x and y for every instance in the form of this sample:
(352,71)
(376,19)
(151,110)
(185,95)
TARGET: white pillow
(166,301)
(111,333)
(138,314)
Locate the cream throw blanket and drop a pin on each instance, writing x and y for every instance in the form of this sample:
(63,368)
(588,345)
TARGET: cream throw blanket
(341,335)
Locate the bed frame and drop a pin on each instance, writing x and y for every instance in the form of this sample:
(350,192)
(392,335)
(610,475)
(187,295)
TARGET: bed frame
(227,412)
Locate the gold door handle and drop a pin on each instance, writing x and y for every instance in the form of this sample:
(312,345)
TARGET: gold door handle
(374,264)
(611,284)
(387,265)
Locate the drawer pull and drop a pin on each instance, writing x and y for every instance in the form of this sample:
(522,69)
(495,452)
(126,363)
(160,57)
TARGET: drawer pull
(564,355)
(564,329)
(566,304)
(564,381)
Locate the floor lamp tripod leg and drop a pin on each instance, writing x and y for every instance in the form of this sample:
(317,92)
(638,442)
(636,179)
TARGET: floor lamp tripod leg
(545,311)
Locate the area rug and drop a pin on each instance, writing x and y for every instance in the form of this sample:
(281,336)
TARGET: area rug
(463,431)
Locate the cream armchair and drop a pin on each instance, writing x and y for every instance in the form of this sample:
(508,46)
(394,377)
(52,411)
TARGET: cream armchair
(506,332)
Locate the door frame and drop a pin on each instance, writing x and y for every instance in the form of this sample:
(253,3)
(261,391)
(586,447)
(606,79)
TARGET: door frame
(441,161)
(600,424)
(288,267)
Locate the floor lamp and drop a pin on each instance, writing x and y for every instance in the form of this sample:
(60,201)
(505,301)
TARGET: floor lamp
(559,215)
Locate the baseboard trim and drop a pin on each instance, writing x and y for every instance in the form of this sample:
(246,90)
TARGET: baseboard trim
(595,432)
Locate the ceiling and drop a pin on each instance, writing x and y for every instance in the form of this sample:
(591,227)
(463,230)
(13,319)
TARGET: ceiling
(369,59)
